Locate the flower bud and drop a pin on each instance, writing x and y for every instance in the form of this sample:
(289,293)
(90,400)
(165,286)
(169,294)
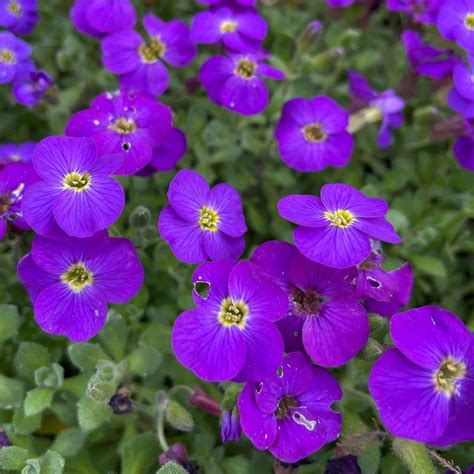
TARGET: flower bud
(140,217)
(200,399)
(178,417)
(176,453)
(4,440)
(230,426)
(120,402)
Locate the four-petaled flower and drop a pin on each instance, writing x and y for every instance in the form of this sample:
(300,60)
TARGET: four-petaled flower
(19,16)
(456,23)
(14,53)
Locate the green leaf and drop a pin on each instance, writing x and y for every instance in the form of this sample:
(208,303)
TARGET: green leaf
(37,400)
(178,417)
(52,463)
(138,454)
(9,321)
(92,414)
(69,442)
(369,459)
(144,361)
(50,377)
(30,357)
(414,456)
(86,355)
(236,465)
(23,424)
(429,265)
(114,336)
(11,392)
(171,468)
(13,458)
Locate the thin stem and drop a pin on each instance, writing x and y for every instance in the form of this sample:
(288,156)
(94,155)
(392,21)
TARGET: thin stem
(160,430)
(180,388)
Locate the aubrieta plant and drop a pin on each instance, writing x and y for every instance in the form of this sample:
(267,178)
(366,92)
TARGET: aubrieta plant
(232,238)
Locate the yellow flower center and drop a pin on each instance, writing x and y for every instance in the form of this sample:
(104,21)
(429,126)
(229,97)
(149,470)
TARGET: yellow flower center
(7,56)
(245,68)
(340,218)
(314,133)
(233,313)
(208,219)
(448,375)
(77,182)
(469,21)
(228,26)
(152,51)
(77,277)
(123,126)
(14,8)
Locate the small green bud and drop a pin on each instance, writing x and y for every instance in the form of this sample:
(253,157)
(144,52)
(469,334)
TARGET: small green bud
(229,401)
(414,456)
(377,323)
(372,350)
(140,217)
(178,417)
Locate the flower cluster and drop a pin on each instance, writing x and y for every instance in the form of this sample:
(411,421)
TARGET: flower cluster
(16,68)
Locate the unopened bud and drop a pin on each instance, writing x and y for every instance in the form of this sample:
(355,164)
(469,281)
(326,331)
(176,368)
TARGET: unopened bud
(230,426)
(4,440)
(200,399)
(120,402)
(140,217)
(178,417)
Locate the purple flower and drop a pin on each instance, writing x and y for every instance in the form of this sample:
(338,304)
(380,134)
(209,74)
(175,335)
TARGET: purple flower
(129,123)
(290,413)
(464,148)
(322,307)
(76,195)
(312,134)
(201,223)
(235,81)
(340,3)
(15,178)
(424,11)
(30,90)
(424,388)
(335,230)
(222,338)
(241,30)
(13,52)
(19,16)
(384,293)
(461,96)
(456,22)
(427,60)
(386,103)
(243,3)
(98,18)
(10,153)
(4,440)
(230,426)
(71,282)
(138,61)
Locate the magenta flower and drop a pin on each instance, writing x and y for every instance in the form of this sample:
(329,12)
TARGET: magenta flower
(19,16)
(312,134)
(222,338)
(201,223)
(15,178)
(235,81)
(384,293)
(76,195)
(290,413)
(424,11)
(138,62)
(424,388)
(241,30)
(70,283)
(456,23)
(10,153)
(464,148)
(322,306)
(243,3)
(335,230)
(130,123)
(30,90)
(388,104)
(13,53)
(427,60)
(99,18)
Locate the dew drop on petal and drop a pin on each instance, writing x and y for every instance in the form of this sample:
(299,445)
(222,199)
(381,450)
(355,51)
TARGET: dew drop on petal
(96,122)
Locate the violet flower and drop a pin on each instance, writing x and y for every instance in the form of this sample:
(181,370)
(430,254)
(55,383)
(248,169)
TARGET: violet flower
(29,91)
(461,96)
(13,53)
(19,16)
(10,153)
(464,147)
(456,22)
(424,11)
(230,426)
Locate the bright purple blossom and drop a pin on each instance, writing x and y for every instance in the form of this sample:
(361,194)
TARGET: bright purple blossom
(98,18)
(340,3)
(222,338)
(384,293)
(10,153)
(424,11)
(15,178)
(456,22)
(240,30)
(426,59)
(461,96)
(138,62)
(424,388)
(243,3)
(13,53)
(464,147)
(130,123)
(201,223)
(230,426)
(290,413)
(388,104)
(71,282)
(335,230)
(76,197)
(235,81)
(312,134)
(324,317)
(19,16)
(31,89)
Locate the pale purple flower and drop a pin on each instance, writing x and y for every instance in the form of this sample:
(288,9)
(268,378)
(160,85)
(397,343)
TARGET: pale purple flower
(456,22)
(19,16)
(13,54)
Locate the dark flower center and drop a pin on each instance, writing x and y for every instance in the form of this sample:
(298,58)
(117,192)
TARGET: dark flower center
(77,277)
(469,21)
(77,182)
(7,56)
(340,218)
(314,133)
(152,51)
(14,8)
(208,219)
(233,313)
(306,302)
(123,126)
(284,407)
(5,204)
(448,374)
(246,68)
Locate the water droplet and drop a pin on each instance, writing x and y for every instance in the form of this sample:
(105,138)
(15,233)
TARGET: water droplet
(232,105)
(96,122)
(303,421)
